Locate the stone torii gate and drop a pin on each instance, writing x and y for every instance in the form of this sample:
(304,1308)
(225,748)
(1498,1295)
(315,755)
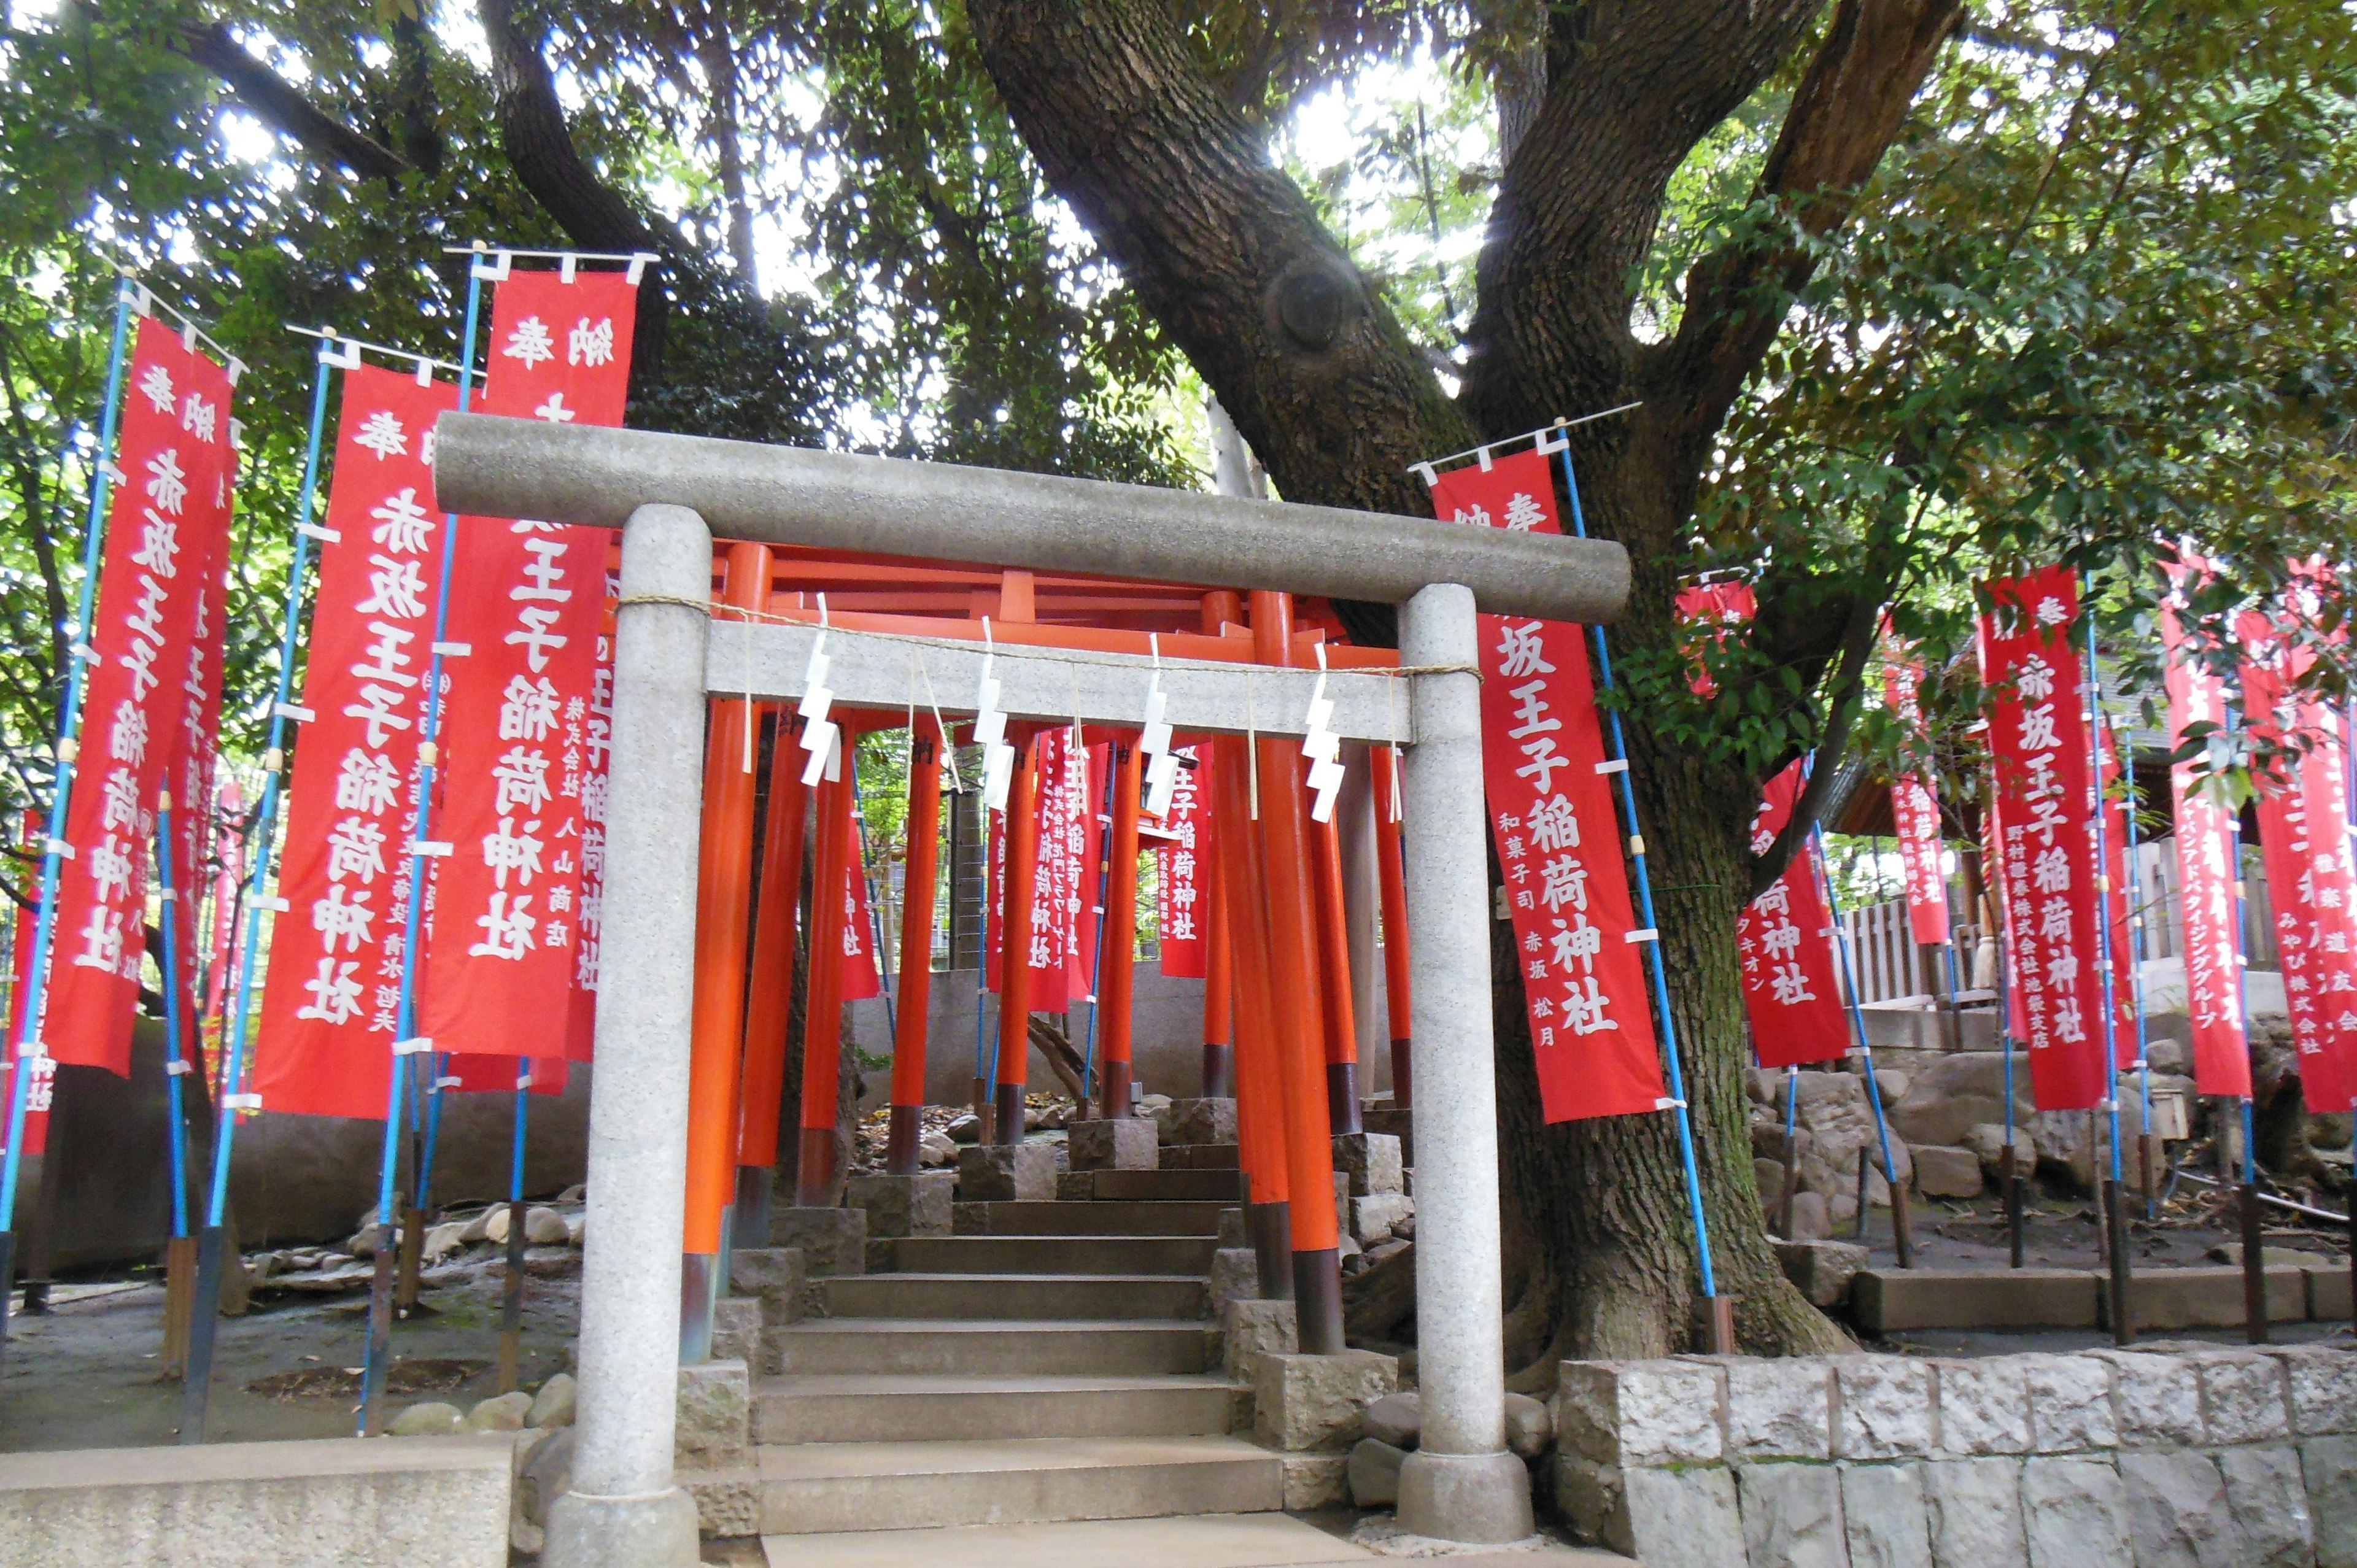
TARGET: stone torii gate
(669,495)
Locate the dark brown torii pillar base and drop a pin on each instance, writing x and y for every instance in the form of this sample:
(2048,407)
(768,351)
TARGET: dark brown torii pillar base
(1270,1228)
(1007,1123)
(1317,1301)
(903,1146)
(1218,1072)
(814,1169)
(1342,1097)
(1114,1090)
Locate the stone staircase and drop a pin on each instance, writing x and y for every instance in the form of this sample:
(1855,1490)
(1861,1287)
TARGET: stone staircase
(1053,1362)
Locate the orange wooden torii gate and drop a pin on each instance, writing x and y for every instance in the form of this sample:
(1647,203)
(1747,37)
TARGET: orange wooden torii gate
(1278,1030)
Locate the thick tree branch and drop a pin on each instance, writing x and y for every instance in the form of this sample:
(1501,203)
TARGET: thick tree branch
(718,55)
(284,110)
(1857,641)
(1875,56)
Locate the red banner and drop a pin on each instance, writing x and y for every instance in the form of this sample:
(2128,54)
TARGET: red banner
(593,730)
(2045,793)
(1915,811)
(527,600)
(1055,890)
(1558,835)
(1179,887)
(1712,610)
(2304,834)
(169,518)
(2207,872)
(1791,988)
(333,993)
(42,1087)
(862,976)
(2119,882)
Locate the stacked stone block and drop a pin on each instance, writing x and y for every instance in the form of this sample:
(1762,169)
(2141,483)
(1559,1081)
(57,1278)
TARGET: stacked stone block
(2199,1458)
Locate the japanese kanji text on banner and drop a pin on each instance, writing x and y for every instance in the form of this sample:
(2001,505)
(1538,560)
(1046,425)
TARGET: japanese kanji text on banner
(1790,992)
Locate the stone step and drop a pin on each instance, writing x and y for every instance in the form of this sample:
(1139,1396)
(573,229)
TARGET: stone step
(816,1487)
(1104,1219)
(1200,1541)
(1001,1296)
(1189,1255)
(1182,1187)
(868,1408)
(929,1346)
(1202,1157)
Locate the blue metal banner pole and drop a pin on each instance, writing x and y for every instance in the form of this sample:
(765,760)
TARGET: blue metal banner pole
(178,1259)
(1096,953)
(196,1388)
(128,297)
(2116,1217)
(1721,1311)
(407,1048)
(1901,1233)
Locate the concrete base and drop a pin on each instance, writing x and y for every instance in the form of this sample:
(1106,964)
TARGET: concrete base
(832,1241)
(381,1503)
(656,1530)
(898,1206)
(1481,1499)
(1116,1143)
(1008,1173)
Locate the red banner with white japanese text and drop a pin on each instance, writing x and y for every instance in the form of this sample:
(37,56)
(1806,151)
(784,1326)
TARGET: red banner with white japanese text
(1792,990)
(333,994)
(38,1095)
(1179,888)
(2207,872)
(2304,836)
(862,977)
(2119,884)
(1055,891)
(2046,855)
(1916,812)
(167,521)
(592,729)
(527,601)
(1557,836)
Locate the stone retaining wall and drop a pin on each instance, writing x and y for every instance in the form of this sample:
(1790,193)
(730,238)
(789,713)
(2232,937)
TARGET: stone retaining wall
(2192,1458)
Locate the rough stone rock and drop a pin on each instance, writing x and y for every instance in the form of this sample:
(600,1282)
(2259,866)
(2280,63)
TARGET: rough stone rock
(500,1412)
(1303,1402)
(1314,1481)
(2156,1400)
(1374,1473)
(2178,1513)
(1251,1329)
(2075,1513)
(1761,1083)
(1778,1409)
(966,1129)
(716,1415)
(1372,1217)
(1114,1144)
(553,1405)
(1529,1426)
(2268,1499)
(1822,1270)
(1838,1120)
(478,1227)
(2323,1383)
(1974,1509)
(1207,1119)
(1885,1408)
(1075,1187)
(831,1240)
(1945,1101)
(2244,1396)
(1642,1413)
(727,1502)
(1987,1140)
(2329,1465)
(1370,1159)
(737,1329)
(1003,1173)
(1945,1173)
(546,1476)
(1884,1516)
(1791,1515)
(545,1227)
(2070,1403)
(775,1275)
(1235,1276)
(898,1206)
(1812,1218)
(442,1240)
(1768,1175)
(1395,1419)
(1984,1406)
(1391,1249)
(495,1227)
(431,1419)
(936,1149)
(1679,1519)
(576,1228)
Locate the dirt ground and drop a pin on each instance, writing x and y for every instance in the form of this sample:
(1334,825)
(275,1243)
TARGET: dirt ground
(87,1374)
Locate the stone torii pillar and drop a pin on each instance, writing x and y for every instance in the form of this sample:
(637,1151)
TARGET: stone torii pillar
(670,494)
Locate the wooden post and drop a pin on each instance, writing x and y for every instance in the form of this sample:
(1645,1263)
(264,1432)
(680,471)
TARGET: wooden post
(1334,980)
(770,965)
(916,979)
(815,1171)
(1015,942)
(2254,1266)
(1260,1110)
(1390,864)
(2010,1177)
(1117,944)
(1220,607)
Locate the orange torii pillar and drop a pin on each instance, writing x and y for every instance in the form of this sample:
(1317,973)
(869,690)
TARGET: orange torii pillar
(1292,922)
(769,1006)
(1220,606)
(1022,830)
(1260,1096)
(723,912)
(1389,862)
(1334,980)
(916,979)
(814,1169)
(1117,944)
